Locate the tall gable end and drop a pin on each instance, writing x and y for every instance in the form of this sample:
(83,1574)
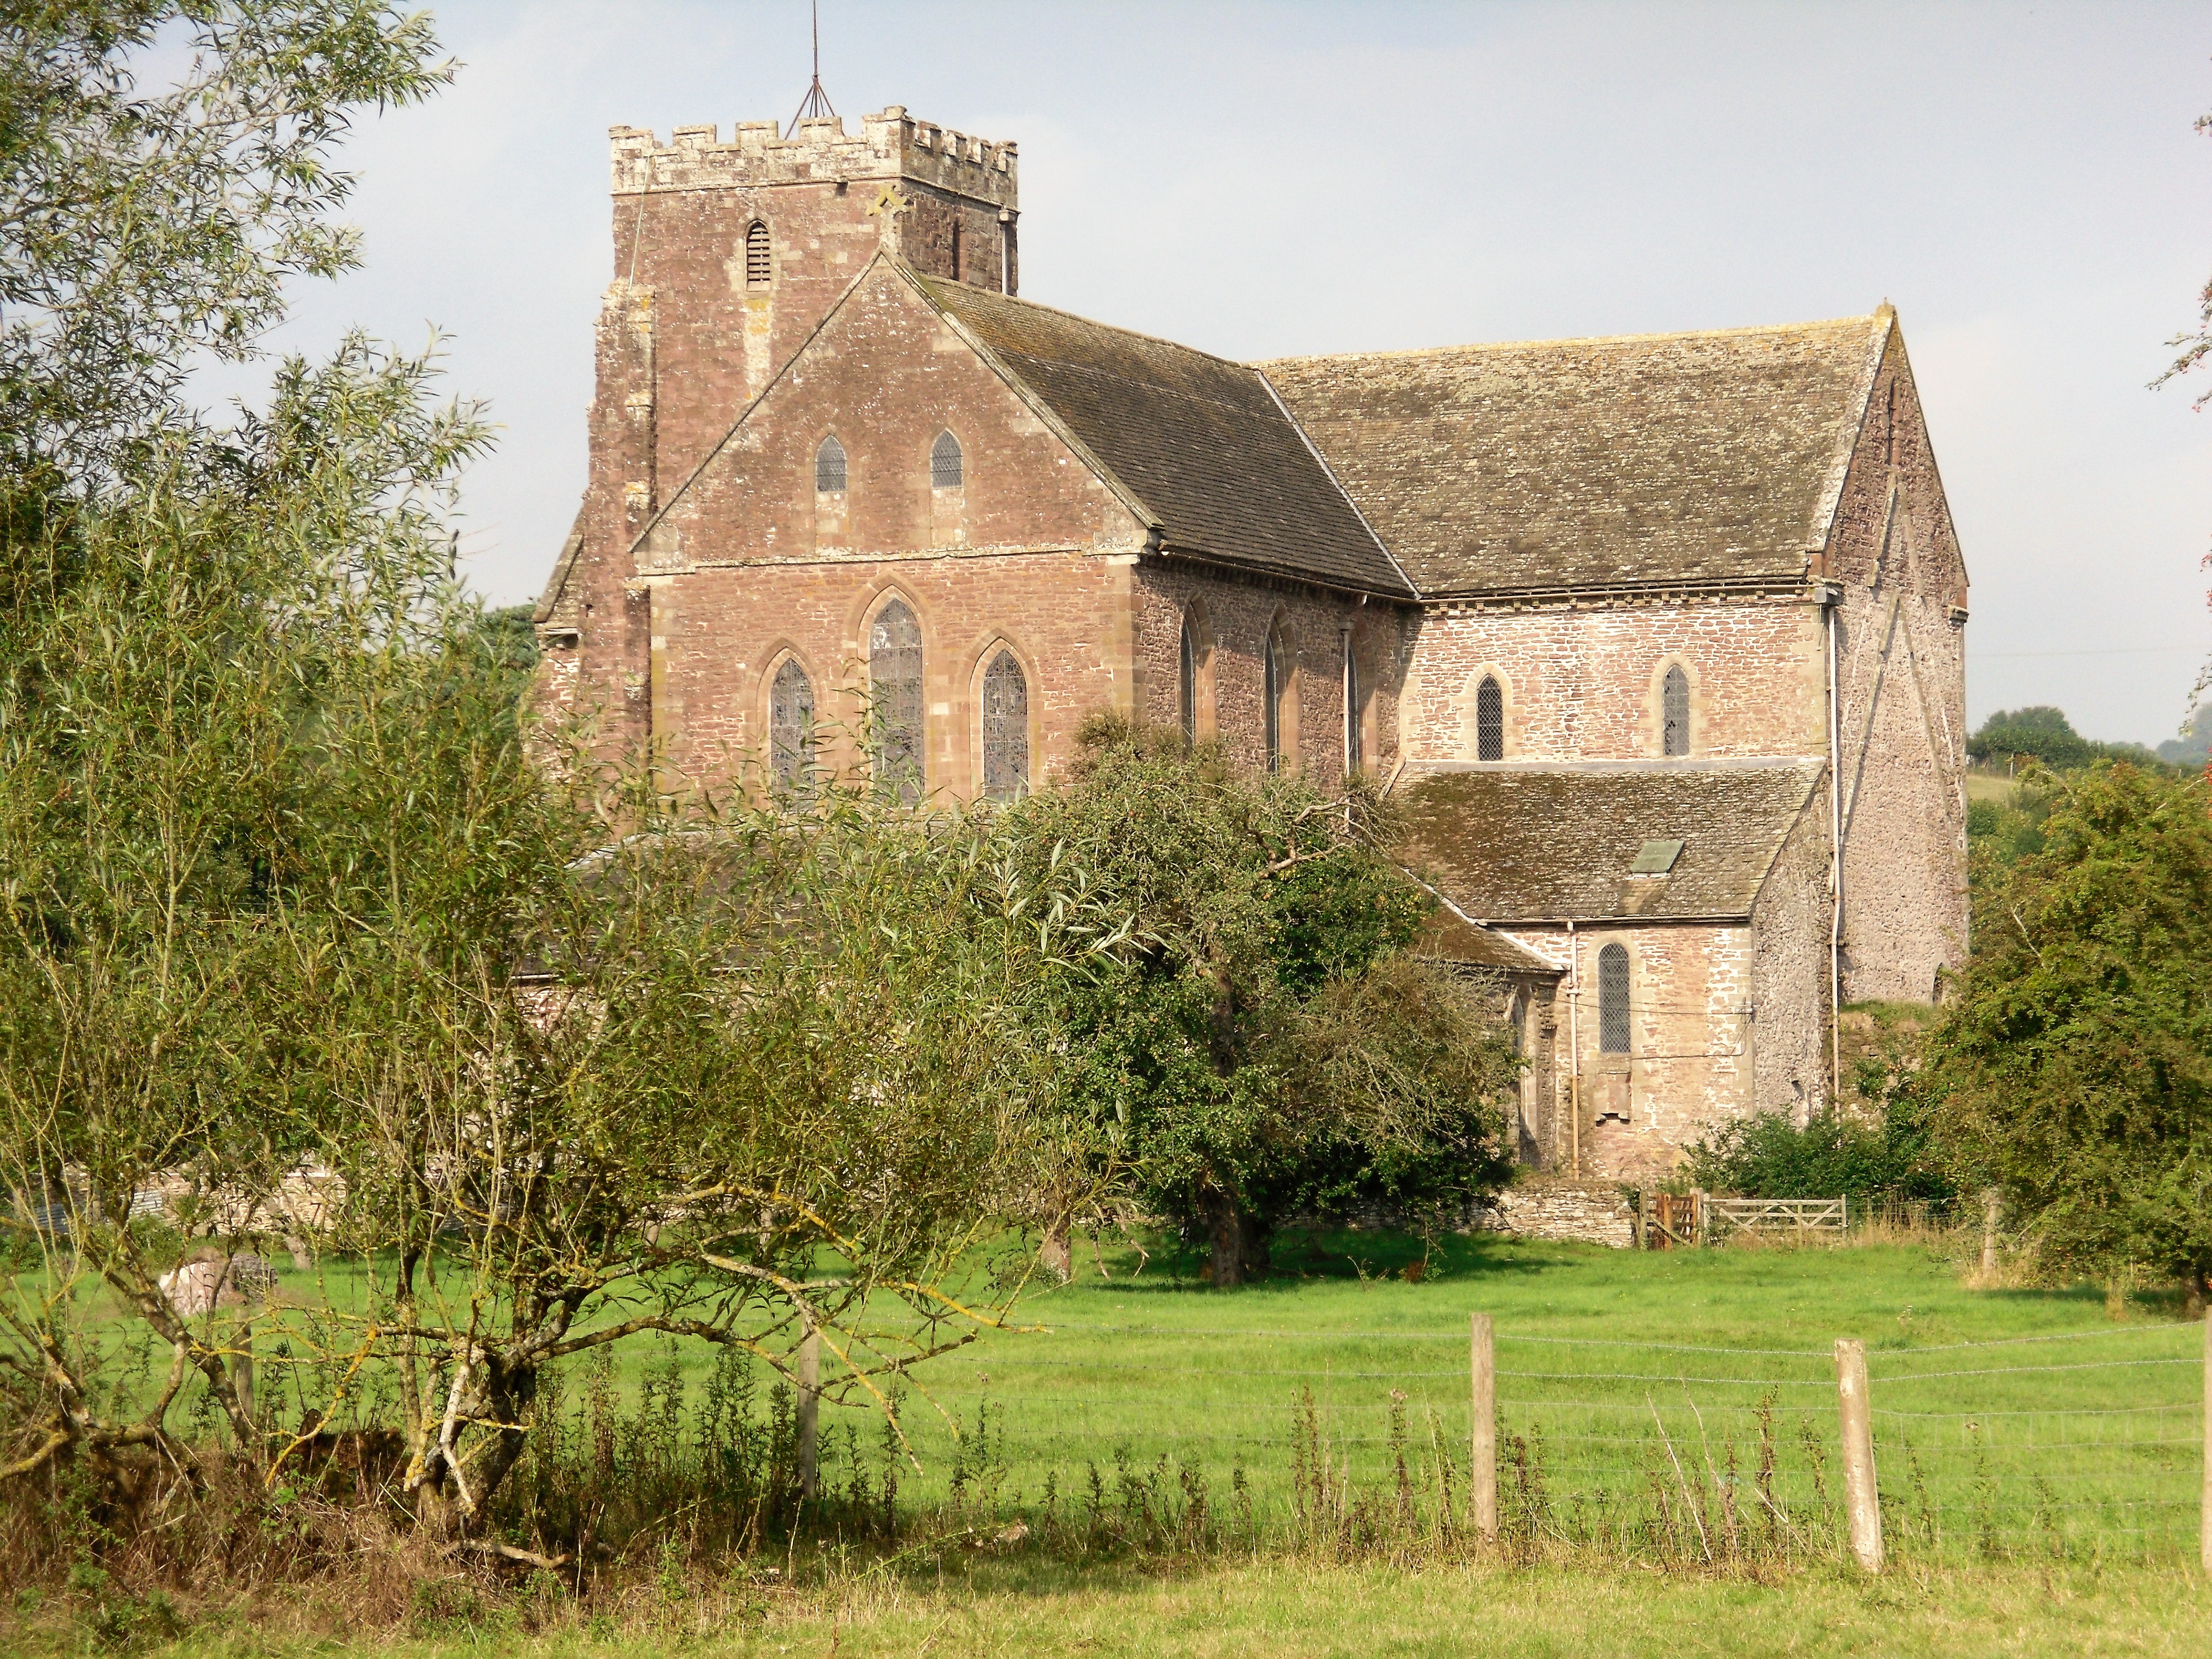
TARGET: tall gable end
(1223,470)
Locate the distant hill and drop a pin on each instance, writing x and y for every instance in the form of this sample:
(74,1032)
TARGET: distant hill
(2047,735)
(2192,750)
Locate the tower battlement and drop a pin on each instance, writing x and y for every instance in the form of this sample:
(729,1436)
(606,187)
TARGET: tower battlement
(890,144)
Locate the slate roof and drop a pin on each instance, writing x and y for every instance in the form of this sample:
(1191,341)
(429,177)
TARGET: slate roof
(1200,442)
(1544,844)
(1666,458)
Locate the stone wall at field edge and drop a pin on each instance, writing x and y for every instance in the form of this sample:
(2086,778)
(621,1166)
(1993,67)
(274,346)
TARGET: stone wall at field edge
(1561,1212)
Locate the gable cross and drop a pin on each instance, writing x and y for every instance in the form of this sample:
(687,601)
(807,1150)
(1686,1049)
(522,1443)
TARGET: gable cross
(889,206)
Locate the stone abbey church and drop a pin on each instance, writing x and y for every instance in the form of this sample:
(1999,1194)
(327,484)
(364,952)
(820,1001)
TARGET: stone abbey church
(1658,638)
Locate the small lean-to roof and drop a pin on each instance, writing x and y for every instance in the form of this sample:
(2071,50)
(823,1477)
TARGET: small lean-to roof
(1599,463)
(1201,442)
(1447,936)
(1508,844)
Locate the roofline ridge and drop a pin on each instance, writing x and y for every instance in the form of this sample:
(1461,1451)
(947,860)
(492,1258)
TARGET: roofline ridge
(1088,322)
(1265,363)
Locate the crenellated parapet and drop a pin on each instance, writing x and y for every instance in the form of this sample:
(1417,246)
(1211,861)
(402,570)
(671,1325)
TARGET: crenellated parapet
(890,145)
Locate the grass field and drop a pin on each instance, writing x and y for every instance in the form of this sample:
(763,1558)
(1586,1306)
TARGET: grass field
(1286,1610)
(2073,1428)
(2039,1456)
(2009,1423)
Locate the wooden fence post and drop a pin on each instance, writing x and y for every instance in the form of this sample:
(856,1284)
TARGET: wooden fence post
(1992,1209)
(810,1404)
(2205,1501)
(1482,1446)
(1863,1507)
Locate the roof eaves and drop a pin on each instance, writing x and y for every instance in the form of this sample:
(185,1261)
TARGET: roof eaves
(1536,964)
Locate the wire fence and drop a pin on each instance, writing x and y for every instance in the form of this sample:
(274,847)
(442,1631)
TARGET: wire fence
(2087,1442)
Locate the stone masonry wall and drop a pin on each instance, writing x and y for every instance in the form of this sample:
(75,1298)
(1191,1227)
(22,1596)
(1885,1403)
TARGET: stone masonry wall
(1566,1212)
(1901,704)
(1234,613)
(1583,682)
(725,631)
(1788,1033)
(1690,1064)
(685,342)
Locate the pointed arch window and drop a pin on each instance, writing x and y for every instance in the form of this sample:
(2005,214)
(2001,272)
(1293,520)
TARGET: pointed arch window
(1186,681)
(829,467)
(1613,1000)
(790,722)
(760,267)
(946,470)
(1674,711)
(1005,728)
(1279,711)
(1489,719)
(895,687)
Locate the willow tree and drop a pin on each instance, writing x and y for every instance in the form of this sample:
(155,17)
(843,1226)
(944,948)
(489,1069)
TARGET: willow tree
(282,894)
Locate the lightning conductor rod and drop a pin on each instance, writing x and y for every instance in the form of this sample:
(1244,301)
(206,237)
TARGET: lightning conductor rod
(816,105)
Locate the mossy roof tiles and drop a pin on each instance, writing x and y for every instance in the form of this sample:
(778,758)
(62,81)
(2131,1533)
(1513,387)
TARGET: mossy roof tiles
(1556,843)
(1200,442)
(1597,462)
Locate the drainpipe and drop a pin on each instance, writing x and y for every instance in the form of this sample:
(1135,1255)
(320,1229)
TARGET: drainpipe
(1831,601)
(1574,1051)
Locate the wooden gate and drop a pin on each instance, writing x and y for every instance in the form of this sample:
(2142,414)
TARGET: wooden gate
(1673,1220)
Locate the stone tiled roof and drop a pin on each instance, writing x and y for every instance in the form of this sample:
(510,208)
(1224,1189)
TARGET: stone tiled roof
(1449,937)
(1201,442)
(1537,844)
(1665,458)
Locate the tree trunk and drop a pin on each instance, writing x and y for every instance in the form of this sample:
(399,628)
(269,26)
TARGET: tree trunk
(1226,1228)
(1058,1253)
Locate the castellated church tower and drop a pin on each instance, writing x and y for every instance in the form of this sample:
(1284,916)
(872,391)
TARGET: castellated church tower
(728,256)
(1659,640)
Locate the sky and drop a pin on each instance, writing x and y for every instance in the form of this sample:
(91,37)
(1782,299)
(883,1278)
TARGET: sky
(2023,182)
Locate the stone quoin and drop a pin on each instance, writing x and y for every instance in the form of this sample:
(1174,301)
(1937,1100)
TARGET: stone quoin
(1659,639)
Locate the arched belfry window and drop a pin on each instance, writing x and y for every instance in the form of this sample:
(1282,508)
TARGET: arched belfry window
(1489,719)
(945,470)
(1613,1000)
(1005,728)
(1276,671)
(1675,711)
(760,269)
(895,687)
(1187,680)
(790,721)
(829,467)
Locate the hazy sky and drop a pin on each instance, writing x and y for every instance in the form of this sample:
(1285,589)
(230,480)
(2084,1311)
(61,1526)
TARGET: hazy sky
(1264,180)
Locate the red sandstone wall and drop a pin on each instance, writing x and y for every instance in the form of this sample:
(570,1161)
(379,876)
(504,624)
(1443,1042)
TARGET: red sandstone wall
(887,374)
(1235,612)
(724,631)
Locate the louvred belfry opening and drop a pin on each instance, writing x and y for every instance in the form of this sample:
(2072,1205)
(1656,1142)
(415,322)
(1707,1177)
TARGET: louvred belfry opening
(759,268)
